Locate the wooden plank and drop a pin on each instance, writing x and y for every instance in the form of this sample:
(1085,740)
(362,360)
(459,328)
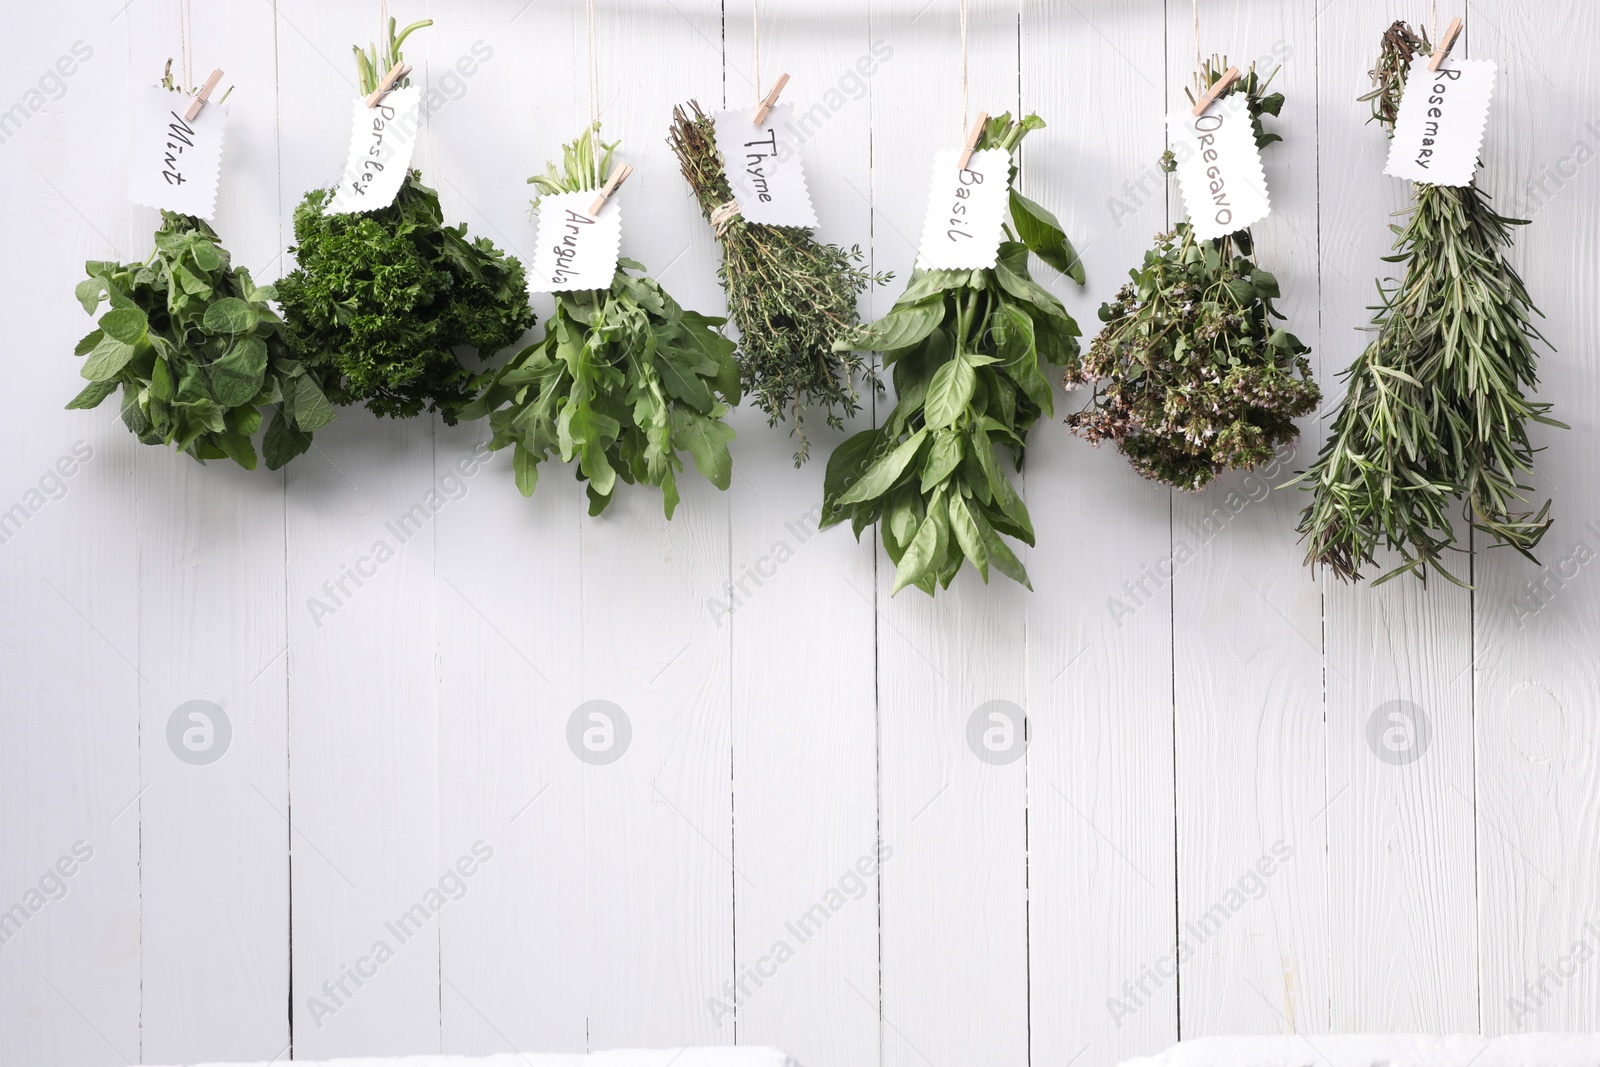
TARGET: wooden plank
(801,621)
(1538,812)
(363,721)
(1099,672)
(512,958)
(215,934)
(1247,624)
(69,643)
(658,821)
(1400,835)
(954,892)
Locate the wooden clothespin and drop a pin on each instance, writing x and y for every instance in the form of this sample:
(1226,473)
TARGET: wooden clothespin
(1447,42)
(972,140)
(1211,95)
(618,176)
(390,80)
(203,95)
(771,99)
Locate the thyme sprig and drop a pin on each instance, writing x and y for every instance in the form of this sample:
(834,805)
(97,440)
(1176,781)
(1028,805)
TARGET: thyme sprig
(1437,407)
(791,296)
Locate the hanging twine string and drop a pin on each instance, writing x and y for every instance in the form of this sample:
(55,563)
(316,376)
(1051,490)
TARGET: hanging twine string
(963,67)
(755,32)
(1199,61)
(594,88)
(1433,20)
(186,44)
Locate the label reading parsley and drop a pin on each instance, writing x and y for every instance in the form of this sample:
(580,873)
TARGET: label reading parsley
(382,139)
(966,211)
(575,249)
(1439,129)
(763,168)
(1219,169)
(176,161)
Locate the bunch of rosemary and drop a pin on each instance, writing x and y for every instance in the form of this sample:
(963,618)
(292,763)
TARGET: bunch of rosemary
(1437,408)
(966,348)
(623,380)
(1193,375)
(791,296)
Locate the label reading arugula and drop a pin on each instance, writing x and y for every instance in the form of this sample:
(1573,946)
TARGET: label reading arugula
(575,250)
(176,161)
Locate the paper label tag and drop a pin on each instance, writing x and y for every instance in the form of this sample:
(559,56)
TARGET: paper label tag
(1439,130)
(966,211)
(176,162)
(382,139)
(1219,167)
(763,167)
(576,250)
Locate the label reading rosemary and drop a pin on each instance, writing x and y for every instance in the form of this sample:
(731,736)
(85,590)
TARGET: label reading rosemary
(763,167)
(1439,129)
(382,139)
(176,161)
(966,211)
(575,250)
(1219,171)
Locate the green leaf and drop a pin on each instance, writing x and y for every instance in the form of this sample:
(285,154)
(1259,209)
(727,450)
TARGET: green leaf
(237,376)
(238,448)
(107,360)
(127,325)
(89,343)
(950,393)
(525,466)
(1045,238)
(920,555)
(282,442)
(1005,561)
(883,474)
(968,535)
(847,463)
(92,394)
(707,441)
(90,292)
(230,315)
(943,458)
(903,327)
(311,408)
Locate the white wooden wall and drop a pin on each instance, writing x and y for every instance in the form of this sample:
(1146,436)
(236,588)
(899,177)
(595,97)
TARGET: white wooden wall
(822,724)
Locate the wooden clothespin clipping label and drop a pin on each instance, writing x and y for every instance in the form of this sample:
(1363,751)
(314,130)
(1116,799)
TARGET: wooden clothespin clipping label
(1219,166)
(1438,132)
(383,136)
(966,209)
(1213,94)
(203,95)
(390,80)
(973,136)
(770,101)
(177,160)
(579,240)
(762,164)
(1442,51)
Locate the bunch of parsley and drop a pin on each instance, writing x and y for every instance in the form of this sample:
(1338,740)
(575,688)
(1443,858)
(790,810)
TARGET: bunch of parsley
(967,349)
(623,380)
(198,351)
(381,299)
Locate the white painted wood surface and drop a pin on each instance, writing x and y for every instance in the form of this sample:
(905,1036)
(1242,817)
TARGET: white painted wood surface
(809,746)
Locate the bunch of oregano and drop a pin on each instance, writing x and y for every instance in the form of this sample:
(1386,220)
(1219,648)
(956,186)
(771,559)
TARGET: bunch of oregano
(381,299)
(1192,375)
(966,348)
(1437,407)
(198,351)
(791,296)
(623,381)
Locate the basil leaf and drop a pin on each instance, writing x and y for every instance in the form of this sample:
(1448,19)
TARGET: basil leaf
(1045,238)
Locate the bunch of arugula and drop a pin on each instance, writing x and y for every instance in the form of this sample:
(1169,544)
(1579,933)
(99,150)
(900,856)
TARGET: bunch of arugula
(1193,377)
(966,349)
(380,299)
(791,296)
(622,381)
(1436,409)
(198,351)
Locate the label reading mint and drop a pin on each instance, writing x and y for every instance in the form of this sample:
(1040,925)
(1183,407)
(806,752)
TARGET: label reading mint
(1439,130)
(176,161)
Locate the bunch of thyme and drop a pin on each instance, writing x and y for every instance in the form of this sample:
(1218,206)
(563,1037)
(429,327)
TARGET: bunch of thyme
(1193,376)
(792,296)
(1437,407)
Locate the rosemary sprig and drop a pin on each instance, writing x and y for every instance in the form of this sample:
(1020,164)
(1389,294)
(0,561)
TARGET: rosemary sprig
(791,296)
(1192,376)
(1437,407)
